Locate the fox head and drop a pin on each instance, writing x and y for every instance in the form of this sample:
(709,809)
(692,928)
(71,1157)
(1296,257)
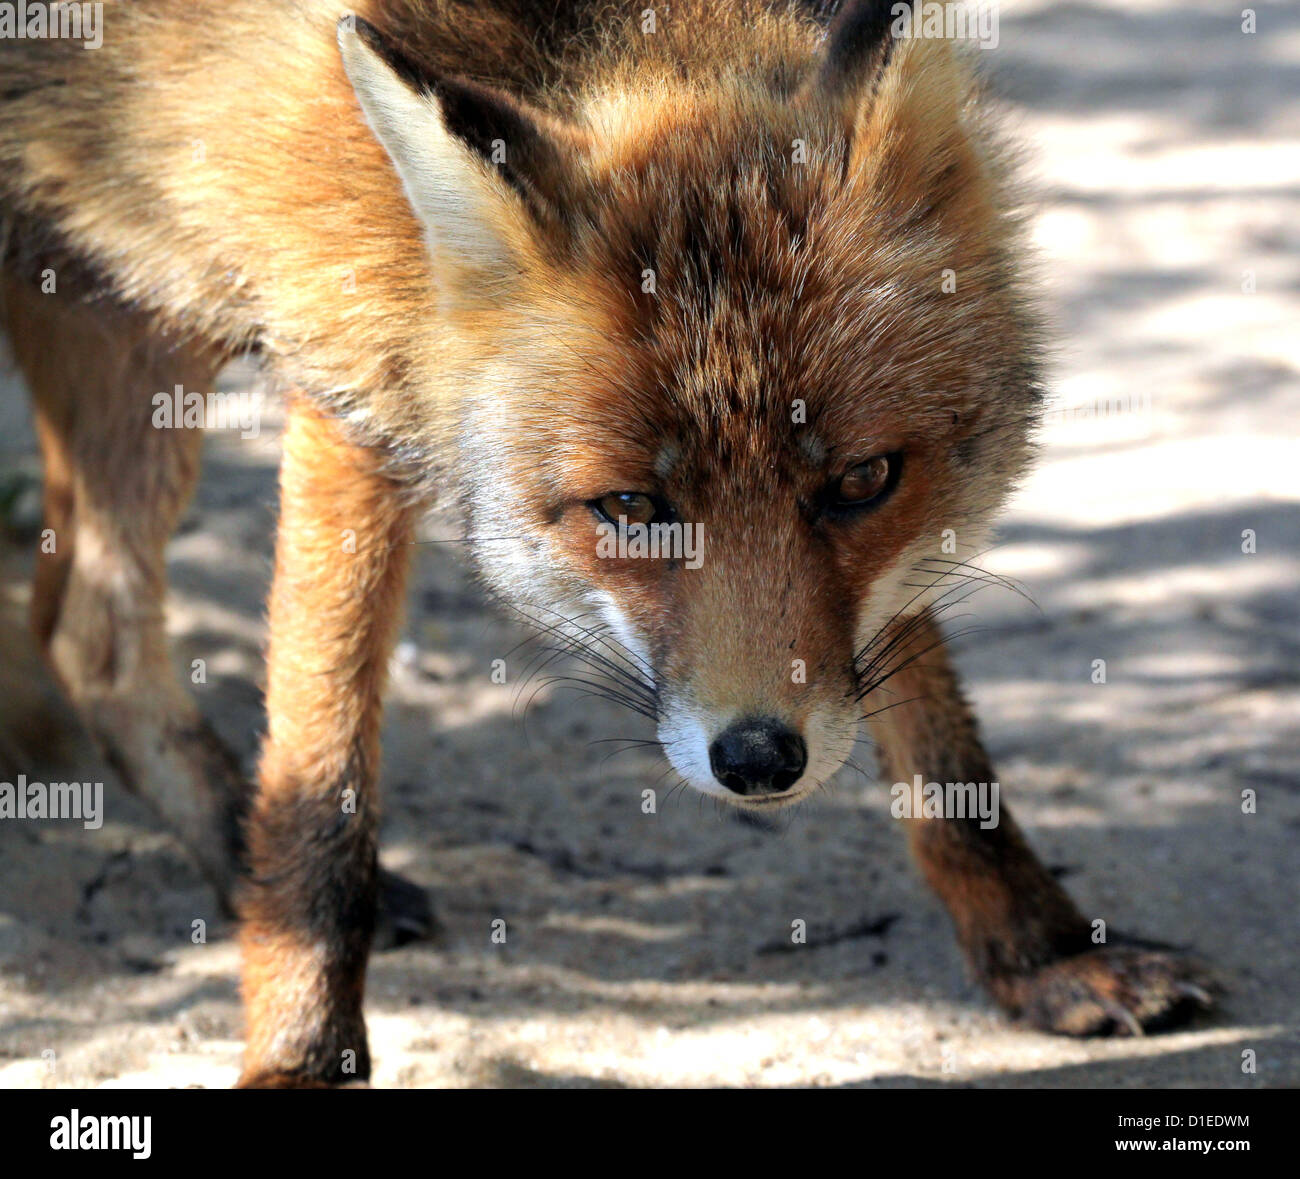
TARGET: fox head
(764,321)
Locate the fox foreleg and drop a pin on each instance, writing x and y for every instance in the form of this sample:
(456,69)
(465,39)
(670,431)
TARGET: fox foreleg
(1021,934)
(309,907)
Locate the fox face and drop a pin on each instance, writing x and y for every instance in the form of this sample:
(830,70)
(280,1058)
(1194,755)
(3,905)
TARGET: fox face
(743,373)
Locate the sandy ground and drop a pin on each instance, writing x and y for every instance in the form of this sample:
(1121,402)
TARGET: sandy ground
(640,948)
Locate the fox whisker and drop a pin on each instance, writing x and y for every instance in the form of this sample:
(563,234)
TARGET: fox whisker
(616,669)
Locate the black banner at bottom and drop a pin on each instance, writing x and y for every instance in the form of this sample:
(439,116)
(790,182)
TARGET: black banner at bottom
(358,1129)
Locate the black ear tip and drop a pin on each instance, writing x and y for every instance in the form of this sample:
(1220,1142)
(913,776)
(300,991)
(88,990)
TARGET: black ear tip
(861,26)
(350,22)
(413,73)
(859,38)
(867,12)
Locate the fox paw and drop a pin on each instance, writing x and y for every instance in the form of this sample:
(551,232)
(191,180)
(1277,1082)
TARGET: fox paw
(1113,992)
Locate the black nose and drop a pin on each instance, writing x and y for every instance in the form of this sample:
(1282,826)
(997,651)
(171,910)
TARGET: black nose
(758,757)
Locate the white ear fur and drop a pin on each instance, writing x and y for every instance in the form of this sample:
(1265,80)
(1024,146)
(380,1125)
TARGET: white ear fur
(445,183)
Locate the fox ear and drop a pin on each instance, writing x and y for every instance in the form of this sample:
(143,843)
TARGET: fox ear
(910,141)
(858,47)
(478,169)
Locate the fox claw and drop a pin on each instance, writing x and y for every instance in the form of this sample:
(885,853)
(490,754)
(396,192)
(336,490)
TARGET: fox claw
(1112,991)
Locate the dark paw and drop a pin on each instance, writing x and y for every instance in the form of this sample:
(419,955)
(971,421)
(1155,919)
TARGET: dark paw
(1113,991)
(405,913)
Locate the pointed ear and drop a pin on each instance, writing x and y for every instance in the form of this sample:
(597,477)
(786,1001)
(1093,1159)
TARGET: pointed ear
(483,174)
(911,142)
(858,47)
(922,140)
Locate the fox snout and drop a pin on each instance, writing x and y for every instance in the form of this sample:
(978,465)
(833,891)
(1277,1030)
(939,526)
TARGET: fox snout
(758,757)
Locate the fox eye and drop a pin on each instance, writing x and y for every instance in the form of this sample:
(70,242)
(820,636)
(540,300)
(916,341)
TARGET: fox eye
(633,506)
(866,482)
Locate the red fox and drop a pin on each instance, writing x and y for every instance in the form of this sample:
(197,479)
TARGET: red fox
(752,269)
